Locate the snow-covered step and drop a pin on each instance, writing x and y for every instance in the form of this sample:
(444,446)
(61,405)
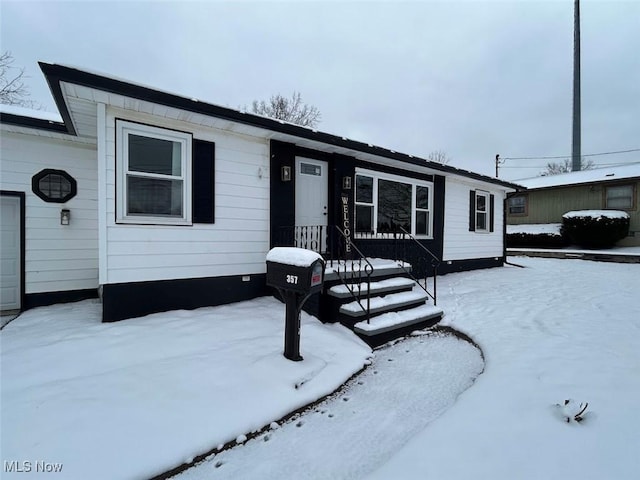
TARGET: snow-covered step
(377,288)
(386,303)
(396,320)
(381,267)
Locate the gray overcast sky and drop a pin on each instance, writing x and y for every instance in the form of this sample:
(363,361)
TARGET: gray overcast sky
(471,78)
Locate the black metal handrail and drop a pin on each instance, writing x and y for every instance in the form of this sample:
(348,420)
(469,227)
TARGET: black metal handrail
(352,278)
(435,262)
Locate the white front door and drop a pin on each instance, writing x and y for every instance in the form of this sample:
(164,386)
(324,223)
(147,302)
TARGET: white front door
(312,206)
(10,271)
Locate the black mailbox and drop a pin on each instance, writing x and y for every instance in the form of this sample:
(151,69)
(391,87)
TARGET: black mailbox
(298,279)
(297,274)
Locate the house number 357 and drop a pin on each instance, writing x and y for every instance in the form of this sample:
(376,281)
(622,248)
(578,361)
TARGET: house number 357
(292,279)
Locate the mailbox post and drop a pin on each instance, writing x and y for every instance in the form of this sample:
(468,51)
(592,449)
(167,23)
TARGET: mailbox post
(297,273)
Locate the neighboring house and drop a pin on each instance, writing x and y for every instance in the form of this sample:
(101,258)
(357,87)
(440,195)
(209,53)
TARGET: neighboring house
(547,198)
(157,202)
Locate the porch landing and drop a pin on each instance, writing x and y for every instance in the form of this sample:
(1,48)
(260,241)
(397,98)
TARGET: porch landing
(381,267)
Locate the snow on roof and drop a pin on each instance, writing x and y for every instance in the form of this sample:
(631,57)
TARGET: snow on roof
(596,214)
(584,176)
(30,113)
(299,257)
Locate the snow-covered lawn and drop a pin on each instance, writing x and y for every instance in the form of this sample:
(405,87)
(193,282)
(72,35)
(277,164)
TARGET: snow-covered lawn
(132,399)
(555,330)
(344,437)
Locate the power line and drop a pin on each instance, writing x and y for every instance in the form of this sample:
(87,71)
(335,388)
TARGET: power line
(569,156)
(595,165)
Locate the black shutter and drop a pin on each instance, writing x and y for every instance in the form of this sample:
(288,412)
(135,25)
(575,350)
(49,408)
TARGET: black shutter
(491,209)
(203,181)
(472,211)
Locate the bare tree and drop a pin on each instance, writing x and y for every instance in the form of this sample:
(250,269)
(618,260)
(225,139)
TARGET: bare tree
(555,168)
(13,90)
(292,110)
(439,156)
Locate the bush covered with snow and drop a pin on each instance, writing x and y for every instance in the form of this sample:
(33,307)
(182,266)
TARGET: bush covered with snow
(546,235)
(595,228)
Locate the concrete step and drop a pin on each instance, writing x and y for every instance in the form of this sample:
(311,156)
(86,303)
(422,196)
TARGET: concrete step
(392,321)
(390,285)
(387,303)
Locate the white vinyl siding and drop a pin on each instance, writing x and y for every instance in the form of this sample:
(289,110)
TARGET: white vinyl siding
(57,257)
(459,242)
(238,241)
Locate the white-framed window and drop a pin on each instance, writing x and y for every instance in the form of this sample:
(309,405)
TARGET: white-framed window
(619,196)
(386,204)
(153,175)
(482,211)
(423,212)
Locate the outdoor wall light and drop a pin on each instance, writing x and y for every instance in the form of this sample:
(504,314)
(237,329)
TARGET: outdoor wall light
(285,173)
(65,216)
(346,183)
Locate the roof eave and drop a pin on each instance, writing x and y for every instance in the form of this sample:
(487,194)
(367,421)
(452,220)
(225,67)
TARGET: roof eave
(58,73)
(31,122)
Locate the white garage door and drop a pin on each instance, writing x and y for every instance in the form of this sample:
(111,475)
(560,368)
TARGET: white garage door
(10,253)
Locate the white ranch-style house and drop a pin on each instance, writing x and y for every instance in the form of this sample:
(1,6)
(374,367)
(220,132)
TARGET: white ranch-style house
(154,201)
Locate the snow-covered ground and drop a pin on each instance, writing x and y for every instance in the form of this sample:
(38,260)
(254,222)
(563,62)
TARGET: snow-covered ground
(131,399)
(627,251)
(344,437)
(555,330)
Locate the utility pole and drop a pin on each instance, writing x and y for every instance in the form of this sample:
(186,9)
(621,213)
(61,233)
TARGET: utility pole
(576,155)
(498,163)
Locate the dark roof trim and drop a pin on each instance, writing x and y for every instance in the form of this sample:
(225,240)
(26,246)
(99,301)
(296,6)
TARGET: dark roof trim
(59,73)
(30,122)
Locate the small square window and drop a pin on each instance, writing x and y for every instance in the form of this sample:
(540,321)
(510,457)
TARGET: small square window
(517,205)
(620,197)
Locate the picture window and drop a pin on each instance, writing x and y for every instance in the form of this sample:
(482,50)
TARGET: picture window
(387,204)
